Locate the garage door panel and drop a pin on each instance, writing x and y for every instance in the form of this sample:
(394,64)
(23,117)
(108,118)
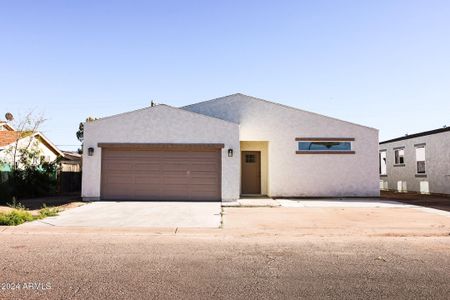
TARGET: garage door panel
(118,166)
(114,172)
(161,175)
(175,189)
(172,173)
(203,196)
(178,169)
(204,187)
(203,181)
(149,173)
(122,192)
(170,182)
(147,180)
(147,166)
(210,168)
(152,190)
(122,180)
(204,173)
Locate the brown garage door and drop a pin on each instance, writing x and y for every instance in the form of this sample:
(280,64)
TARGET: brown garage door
(169,174)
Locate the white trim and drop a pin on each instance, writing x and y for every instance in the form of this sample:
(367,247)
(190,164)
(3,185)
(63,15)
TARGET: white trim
(50,143)
(5,124)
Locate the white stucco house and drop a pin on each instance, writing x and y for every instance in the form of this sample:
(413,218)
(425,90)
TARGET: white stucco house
(417,162)
(222,149)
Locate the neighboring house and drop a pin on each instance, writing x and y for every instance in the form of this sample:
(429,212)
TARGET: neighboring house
(224,148)
(71,162)
(69,175)
(9,137)
(4,126)
(418,162)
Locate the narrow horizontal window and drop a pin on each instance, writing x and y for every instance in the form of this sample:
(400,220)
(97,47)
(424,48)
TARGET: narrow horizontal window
(324,146)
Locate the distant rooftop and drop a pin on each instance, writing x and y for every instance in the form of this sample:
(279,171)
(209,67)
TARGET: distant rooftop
(411,136)
(8,137)
(5,124)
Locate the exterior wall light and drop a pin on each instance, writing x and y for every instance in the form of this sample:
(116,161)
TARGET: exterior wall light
(90,151)
(230,152)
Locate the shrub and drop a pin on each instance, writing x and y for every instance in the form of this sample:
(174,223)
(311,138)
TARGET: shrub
(15,217)
(45,212)
(20,216)
(29,182)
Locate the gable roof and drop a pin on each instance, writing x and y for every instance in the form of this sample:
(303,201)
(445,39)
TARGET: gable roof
(160,106)
(48,143)
(6,125)
(411,136)
(225,98)
(72,155)
(10,137)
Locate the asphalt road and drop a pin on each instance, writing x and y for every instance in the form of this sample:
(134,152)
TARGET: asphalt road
(127,266)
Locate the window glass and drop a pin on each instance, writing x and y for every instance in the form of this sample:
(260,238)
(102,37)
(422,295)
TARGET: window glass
(324,146)
(250,158)
(399,156)
(382,162)
(420,160)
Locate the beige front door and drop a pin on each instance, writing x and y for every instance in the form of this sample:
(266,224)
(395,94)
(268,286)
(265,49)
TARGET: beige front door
(250,172)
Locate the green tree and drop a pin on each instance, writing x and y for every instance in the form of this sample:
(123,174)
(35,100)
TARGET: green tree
(30,174)
(80,132)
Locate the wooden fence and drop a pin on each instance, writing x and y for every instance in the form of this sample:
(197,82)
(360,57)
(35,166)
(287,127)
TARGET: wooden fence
(69,182)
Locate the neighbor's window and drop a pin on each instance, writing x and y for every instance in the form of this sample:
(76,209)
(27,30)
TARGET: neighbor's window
(420,159)
(399,156)
(382,157)
(324,146)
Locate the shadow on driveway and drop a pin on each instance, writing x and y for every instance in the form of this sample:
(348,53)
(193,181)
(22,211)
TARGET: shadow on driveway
(430,201)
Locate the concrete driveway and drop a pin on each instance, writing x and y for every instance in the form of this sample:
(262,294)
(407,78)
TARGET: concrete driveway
(138,214)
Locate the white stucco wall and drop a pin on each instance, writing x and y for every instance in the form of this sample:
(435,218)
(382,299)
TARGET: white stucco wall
(160,124)
(291,174)
(437,163)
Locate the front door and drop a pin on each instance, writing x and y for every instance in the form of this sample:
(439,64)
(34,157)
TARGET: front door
(251,172)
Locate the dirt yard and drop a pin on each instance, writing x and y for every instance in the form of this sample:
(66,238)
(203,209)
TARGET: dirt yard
(35,204)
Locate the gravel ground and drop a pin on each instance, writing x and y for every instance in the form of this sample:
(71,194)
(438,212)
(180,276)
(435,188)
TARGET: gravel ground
(148,266)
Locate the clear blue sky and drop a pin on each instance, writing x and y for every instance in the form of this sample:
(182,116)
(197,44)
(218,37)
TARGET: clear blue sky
(385,64)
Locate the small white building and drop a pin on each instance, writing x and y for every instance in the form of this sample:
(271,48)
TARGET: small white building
(224,148)
(418,162)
